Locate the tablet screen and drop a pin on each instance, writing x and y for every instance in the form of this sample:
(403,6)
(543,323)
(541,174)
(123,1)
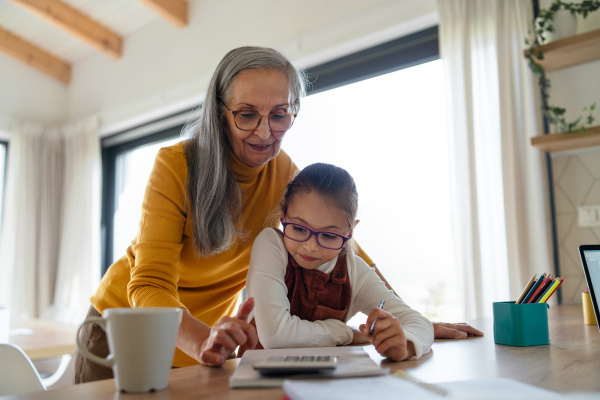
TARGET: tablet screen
(592,259)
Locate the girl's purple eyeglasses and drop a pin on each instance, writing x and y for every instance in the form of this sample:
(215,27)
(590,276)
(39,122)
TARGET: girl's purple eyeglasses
(301,233)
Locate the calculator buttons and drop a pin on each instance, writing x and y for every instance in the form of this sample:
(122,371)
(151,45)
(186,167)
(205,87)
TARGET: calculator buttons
(286,365)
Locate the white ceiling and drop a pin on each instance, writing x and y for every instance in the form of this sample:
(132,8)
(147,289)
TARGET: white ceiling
(121,16)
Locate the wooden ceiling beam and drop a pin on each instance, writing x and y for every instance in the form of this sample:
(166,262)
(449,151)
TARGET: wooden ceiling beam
(77,24)
(174,11)
(32,55)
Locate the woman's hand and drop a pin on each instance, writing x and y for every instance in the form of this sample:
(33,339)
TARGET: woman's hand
(442,330)
(227,335)
(388,336)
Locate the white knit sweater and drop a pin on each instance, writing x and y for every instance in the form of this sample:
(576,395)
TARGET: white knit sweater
(277,328)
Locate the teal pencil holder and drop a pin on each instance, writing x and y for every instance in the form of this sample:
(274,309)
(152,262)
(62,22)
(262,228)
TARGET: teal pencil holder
(521,324)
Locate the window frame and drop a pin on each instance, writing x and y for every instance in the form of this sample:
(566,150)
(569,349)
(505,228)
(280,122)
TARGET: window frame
(6,143)
(405,52)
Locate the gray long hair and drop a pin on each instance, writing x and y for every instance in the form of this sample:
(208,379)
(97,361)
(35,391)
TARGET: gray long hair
(213,195)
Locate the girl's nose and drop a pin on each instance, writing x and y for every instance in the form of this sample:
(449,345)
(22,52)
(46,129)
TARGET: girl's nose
(311,244)
(263,131)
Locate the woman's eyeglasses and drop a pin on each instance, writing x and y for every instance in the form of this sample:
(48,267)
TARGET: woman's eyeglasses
(248,120)
(301,233)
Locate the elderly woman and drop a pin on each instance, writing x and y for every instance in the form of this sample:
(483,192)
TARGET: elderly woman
(207,199)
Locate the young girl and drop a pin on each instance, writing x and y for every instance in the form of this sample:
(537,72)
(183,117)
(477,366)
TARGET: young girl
(307,282)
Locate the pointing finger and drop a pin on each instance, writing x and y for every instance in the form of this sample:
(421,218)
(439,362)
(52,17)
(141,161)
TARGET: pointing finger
(245,309)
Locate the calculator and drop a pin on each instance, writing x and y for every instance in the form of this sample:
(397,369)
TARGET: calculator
(288,365)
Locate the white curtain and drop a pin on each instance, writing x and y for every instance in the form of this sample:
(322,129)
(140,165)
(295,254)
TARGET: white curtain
(50,246)
(497,177)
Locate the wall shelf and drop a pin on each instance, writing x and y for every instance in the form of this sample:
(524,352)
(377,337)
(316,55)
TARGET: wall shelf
(567,141)
(570,51)
(563,53)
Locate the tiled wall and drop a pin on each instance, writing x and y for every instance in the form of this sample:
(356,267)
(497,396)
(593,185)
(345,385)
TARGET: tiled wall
(576,183)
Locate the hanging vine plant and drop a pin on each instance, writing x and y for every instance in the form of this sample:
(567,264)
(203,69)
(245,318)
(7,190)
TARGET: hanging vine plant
(541,26)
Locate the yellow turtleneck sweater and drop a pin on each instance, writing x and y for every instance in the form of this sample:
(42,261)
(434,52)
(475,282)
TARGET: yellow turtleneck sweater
(160,268)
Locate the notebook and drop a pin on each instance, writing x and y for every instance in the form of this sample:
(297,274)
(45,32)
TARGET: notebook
(352,361)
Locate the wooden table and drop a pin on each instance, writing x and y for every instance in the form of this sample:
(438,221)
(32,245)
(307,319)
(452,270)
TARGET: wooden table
(571,362)
(49,339)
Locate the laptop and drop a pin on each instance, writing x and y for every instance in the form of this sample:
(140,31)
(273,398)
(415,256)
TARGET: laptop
(590,257)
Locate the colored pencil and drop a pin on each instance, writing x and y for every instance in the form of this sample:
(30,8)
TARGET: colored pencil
(544,296)
(533,288)
(552,290)
(541,289)
(527,289)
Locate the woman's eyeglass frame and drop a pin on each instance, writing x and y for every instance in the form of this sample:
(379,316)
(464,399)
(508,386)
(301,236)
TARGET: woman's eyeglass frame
(235,113)
(285,223)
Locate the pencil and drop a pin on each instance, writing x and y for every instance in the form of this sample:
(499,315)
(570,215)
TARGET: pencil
(553,289)
(533,288)
(527,289)
(541,289)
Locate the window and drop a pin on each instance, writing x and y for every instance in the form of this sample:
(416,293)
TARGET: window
(126,168)
(389,132)
(132,171)
(380,114)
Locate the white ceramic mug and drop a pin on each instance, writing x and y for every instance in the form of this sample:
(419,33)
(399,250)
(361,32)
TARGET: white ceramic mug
(141,343)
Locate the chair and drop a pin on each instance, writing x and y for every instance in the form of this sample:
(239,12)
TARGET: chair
(64,315)
(17,373)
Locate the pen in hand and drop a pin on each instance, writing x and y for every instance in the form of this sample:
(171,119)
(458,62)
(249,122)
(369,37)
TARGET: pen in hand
(373,324)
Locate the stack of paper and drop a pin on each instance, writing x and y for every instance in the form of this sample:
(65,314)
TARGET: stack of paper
(352,362)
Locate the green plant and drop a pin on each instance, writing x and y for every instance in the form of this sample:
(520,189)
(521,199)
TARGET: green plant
(540,27)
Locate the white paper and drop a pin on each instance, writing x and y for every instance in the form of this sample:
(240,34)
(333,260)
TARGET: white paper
(582,396)
(383,387)
(351,362)
(497,389)
(396,388)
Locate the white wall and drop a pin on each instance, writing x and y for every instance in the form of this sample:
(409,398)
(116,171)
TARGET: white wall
(576,183)
(28,94)
(164,68)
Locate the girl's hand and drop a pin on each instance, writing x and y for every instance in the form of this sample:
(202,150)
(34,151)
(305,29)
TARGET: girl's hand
(358,337)
(388,336)
(227,335)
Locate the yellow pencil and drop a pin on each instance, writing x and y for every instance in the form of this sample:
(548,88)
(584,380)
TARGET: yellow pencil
(555,284)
